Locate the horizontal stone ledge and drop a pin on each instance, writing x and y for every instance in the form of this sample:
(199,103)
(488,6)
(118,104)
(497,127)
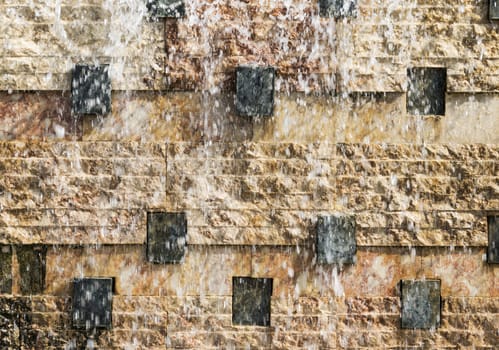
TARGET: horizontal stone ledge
(83,149)
(177,151)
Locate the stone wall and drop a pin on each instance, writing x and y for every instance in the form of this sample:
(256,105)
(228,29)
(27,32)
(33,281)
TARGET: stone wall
(251,208)
(75,190)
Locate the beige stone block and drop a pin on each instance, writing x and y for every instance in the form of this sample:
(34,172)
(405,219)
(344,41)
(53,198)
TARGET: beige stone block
(296,274)
(462,271)
(199,305)
(358,305)
(207,271)
(470,305)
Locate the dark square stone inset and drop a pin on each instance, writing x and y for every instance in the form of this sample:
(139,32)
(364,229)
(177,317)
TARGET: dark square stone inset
(420,304)
(5,270)
(166,237)
(336,242)
(494,10)
(493,248)
(338,8)
(255,91)
(92,303)
(91,89)
(166,8)
(426,91)
(251,301)
(31,260)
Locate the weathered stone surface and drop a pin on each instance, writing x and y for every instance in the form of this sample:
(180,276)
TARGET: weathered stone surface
(32,269)
(166,237)
(336,239)
(420,304)
(408,195)
(426,91)
(92,303)
(206,270)
(251,301)
(463,271)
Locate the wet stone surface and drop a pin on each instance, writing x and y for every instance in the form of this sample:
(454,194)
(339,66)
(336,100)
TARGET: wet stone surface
(91,89)
(493,248)
(426,91)
(166,237)
(255,91)
(5,270)
(336,243)
(494,10)
(338,8)
(251,301)
(92,303)
(166,8)
(32,261)
(420,304)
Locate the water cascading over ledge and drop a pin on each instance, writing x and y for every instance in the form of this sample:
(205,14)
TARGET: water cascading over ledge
(192,225)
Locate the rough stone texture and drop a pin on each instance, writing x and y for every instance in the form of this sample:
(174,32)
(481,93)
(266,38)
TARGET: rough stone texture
(42,42)
(272,193)
(76,193)
(369,52)
(340,141)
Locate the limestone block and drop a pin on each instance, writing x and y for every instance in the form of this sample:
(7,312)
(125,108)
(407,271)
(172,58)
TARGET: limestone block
(205,269)
(462,272)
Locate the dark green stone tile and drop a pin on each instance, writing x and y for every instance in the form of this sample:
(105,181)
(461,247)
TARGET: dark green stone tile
(91,89)
(31,261)
(338,8)
(420,304)
(251,301)
(166,8)
(426,91)
(493,248)
(494,9)
(92,303)
(5,270)
(166,237)
(255,91)
(336,242)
